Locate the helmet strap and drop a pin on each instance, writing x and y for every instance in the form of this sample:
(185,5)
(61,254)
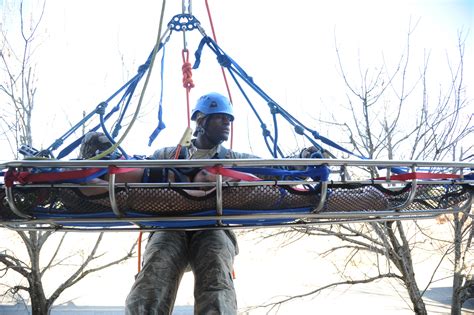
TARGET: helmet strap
(201,131)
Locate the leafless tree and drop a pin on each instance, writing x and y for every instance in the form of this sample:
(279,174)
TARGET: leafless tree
(377,130)
(18,89)
(30,272)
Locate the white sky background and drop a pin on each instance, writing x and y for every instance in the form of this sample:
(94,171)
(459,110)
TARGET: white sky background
(90,48)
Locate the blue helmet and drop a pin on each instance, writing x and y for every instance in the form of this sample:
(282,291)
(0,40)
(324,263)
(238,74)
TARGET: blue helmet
(213,103)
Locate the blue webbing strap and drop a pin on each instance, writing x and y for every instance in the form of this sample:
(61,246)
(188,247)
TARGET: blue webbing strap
(265,132)
(61,139)
(232,66)
(161,124)
(111,139)
(126,98)
(78,141)
(130,87)
(87,179)
(42,212)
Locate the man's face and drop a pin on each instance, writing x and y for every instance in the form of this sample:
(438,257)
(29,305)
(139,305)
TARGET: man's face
(218,127)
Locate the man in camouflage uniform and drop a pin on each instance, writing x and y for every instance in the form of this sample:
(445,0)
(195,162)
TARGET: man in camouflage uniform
(209,253)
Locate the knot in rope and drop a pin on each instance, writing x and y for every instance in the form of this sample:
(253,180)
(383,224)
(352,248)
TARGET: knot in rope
(224,61)
(57,143)
(265,131)
(144,67)
(273,108)
(187,76)
(315,134)
(116,130)
(299,130)
(101,108)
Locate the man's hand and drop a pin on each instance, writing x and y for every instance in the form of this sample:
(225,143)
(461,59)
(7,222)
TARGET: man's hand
(308,152)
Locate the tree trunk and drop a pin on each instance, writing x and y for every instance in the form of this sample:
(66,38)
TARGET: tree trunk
(414,291)
(39,303)
(404,264)
(456,303)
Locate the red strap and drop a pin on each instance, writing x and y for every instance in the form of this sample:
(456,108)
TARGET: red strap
(420,175)
(232,173)
(119,170)
(27,177)
(31,178)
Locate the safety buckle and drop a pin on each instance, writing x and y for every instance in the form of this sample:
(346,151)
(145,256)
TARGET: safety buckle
(28,151)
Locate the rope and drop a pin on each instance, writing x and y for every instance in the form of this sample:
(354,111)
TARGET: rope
(161,124)
(139,250)
(223,74)
(139,241)
(188,83)
(140,101)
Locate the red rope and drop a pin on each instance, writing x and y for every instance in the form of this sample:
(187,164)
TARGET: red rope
(223,74)
(232,173)
(188,83)
(178,151)
(139,254)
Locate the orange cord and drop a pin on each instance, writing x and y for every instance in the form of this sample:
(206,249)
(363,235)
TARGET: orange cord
(139,241)
(188,83)
(223,74)
(178,151)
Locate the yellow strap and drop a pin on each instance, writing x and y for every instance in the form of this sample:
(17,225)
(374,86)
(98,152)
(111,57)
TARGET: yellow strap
(186,138)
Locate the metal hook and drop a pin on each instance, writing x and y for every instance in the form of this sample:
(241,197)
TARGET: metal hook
(412,194)
(112,196)
(219,207)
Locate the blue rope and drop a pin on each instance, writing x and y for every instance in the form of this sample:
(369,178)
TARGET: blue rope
(265,132)
(78,141)
(111,139)
(129,88)
(227,62)
(274,111)
(126,98)
(56,144)
(161,124)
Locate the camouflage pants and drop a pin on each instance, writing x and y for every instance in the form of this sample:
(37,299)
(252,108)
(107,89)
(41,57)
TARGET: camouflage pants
(210,254)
